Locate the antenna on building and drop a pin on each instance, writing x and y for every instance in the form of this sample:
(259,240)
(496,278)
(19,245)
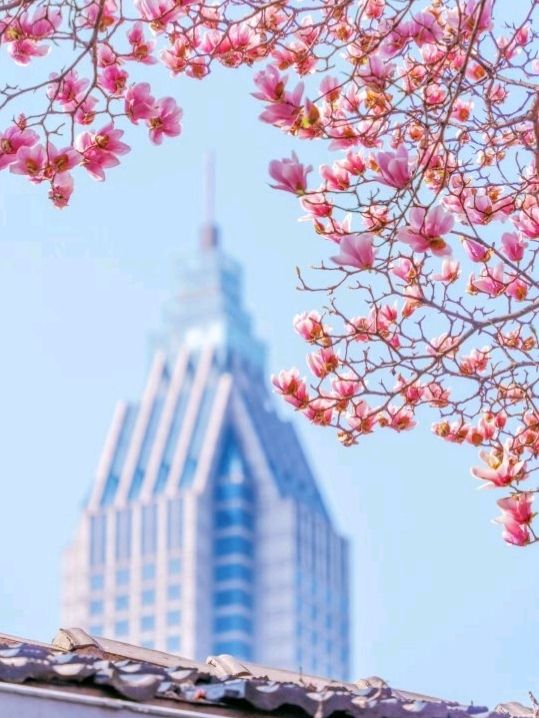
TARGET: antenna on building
(209,234)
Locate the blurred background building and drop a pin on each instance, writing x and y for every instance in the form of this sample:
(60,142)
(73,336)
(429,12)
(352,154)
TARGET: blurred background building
(204,531)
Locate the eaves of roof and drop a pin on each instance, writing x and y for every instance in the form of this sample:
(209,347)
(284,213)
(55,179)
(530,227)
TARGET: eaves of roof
(77,667)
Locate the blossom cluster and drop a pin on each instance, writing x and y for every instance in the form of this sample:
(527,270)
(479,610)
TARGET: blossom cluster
(433,203)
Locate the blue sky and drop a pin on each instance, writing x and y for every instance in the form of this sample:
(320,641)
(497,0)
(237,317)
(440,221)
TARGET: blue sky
(440,604)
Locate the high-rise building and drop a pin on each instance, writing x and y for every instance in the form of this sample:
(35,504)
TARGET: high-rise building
(204,531)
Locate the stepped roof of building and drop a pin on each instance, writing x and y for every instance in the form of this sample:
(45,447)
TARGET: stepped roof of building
(78,668)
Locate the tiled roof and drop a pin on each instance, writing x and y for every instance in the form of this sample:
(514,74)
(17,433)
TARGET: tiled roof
(77,662)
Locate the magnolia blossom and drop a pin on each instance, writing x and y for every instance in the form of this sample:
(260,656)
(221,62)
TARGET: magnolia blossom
(290,174)
(165,120)
(501,470)
(396,168)
(425,230)
(309,326)
(323,362)
(513,246)
(356,250)
(292,387)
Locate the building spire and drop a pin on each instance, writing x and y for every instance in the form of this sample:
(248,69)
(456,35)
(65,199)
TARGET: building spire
(209,232)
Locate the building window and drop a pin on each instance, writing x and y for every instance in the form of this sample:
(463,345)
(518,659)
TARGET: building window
(174,566)
(234,517)
(224,492)
(121,628)
(123,534)
(122,577)
(233,623)
(173,618)
(148,644)
(96,582)
(174,524)
(96,607)
(149,529)
(147,623)
(174,592)
(233,571)
(148,597)
(96,630)
(98,539)
(238,649)
(233,544)
(122,603)
(148,572)
(173,643)
(233,596)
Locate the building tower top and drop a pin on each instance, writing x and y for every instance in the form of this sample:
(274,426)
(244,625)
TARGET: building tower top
(209,306)
(209,231)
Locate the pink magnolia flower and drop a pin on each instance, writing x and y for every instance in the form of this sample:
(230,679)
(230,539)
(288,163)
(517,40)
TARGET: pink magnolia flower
(22,51)
(450,272)
(85,112)
(356,250)
(517,289)
(159,12)
(113,80)
(363,418)
(11,141)
(292,387)
(316,204)
(30,161)
(353,163)
(414,299)
(290,174)
(309,326)
(376,72)
(435,94)
(99,150)
(436,395)
(59,161)
(518,507)
(514,533)
(69,90)
(271,84)
(375,217)
(141,49)
(165,120)
(476,362)
(345,389)
(100,15)
(513,246)
(405,269)
(61,190)
(395,167)
(490,281)
(336,177)
(319,411)
(139,103)
(411,391)
(476,252)
(528,218)
(502,469)
(425,28)
(397,418)
(374,9)
(323,362)
(426,229)
(106,55)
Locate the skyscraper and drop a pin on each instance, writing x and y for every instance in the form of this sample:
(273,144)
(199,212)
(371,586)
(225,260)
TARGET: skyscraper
(204,531)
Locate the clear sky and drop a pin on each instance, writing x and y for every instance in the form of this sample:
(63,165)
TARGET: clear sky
(440,604)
